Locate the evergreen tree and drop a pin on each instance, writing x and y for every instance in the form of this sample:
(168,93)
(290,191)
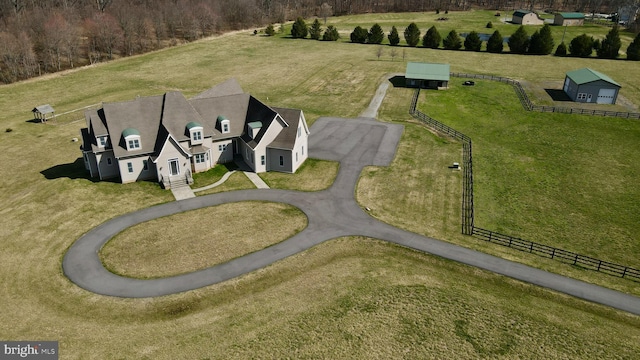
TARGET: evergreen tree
(316,30)
(581,46)
(331,34)
(299,29)
(359,35)
(519,41)
(394,37)
(270,31)
(412,35)
(535,44)
(633,51)
(495,44)
(610,46)
(547,39)
(489,25)
(375,35)
(452,41)
(561,50)
(473,42)
(432,38)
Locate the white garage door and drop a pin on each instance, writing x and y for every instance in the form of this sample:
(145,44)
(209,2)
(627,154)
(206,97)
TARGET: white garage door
(605,96)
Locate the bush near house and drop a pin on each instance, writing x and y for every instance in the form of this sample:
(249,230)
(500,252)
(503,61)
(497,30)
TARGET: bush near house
(581,46)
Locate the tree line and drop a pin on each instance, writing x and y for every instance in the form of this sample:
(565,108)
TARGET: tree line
(539,43)
(43,36)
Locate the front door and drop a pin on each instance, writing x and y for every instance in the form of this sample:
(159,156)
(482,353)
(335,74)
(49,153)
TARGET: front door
(174,167)
(588,98)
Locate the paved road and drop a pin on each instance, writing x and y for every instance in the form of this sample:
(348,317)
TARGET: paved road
(332,213)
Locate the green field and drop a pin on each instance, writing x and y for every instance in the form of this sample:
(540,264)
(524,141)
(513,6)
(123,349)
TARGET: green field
(350,297)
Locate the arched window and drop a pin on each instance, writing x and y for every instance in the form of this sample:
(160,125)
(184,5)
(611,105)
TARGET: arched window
(132,139)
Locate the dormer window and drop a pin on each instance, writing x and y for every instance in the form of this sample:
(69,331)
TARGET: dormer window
(132,139)
(253,128)
(225,125)
(195,132)
(102,141)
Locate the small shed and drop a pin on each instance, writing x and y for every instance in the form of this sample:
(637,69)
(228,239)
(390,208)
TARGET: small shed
(568,19)
(43,112)
(525,17)
(427,75)
(588,86)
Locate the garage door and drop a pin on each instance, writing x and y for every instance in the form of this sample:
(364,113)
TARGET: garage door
(606,96)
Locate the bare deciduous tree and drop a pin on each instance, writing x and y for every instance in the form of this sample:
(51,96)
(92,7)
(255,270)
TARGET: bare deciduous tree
(325,11)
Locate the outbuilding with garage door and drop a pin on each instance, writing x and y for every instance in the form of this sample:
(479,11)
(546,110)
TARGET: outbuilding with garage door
(589,86)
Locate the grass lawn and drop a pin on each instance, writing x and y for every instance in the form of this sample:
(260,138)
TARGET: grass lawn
(330,301)
(313,175)
(212,175)
(158,248)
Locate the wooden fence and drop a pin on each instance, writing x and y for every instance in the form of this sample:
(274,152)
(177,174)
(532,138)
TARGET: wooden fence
(529,106)
(558,254)
(468,225)
(467,160)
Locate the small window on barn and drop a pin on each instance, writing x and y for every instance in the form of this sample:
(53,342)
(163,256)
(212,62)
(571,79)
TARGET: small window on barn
(582,96)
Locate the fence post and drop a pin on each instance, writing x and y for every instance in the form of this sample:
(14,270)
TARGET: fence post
(624,272)
(599,263)
(575,260)
(531,247)
(553,253)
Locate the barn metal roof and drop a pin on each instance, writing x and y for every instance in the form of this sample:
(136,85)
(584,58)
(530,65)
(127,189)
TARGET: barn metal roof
(572,15)
(521,13)
(427,71)
(586,75)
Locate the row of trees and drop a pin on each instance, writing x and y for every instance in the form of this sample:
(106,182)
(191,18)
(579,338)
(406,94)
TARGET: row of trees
(539,43)
(299,30)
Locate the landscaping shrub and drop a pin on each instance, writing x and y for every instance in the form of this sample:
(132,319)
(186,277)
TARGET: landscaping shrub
(581,46)
(489,25)
(316,30)
(299,30)
(359,35)
(270,31)
(561,50)
(331,34)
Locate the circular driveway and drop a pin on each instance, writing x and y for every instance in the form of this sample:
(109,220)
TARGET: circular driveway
(332,213)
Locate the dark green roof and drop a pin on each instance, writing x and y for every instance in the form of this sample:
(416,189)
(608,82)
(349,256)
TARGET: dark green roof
(193,124)
(255,125)
(222,117)
(427,71)
(521,13)
(130,131)
(572,15)
(586,75)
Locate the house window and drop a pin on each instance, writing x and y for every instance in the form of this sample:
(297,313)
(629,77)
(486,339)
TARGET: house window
(262,160)
(199,158)
(130,167)
(134,144)
(303,150)
(299,131)
(108,161)
(582,96)
(281,160)
(145,165)
(225,127)
(296,156)
(102,141)
(197,135)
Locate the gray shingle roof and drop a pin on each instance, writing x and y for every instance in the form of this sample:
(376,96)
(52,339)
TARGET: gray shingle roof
(287,137)
(43,109)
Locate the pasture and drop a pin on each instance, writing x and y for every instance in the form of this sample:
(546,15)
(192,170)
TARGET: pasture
(349,297)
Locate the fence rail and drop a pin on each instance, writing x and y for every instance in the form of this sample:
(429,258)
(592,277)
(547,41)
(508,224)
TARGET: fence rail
(558,254)
(529,106)
(468,225)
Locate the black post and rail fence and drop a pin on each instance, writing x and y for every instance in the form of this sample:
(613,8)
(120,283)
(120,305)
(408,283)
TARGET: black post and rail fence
(468,225)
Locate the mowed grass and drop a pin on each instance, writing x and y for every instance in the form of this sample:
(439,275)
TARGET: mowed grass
(159,248)
(313,175)
(566,181)
(47,202)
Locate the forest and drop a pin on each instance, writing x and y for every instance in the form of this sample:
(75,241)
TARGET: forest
(45,36)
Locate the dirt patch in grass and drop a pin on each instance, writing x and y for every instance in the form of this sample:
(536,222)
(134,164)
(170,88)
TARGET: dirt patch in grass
(200,238)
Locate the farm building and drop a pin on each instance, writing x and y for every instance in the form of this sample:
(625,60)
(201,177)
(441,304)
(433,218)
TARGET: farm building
(427,75)
(588,86)
(569,19)
(43,112)
(525,17)
(167,137)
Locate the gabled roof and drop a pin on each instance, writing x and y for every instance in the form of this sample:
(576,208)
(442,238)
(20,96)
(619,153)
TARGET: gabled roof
(287,137)
(232,107)
(571,15)
(177,113)
(521,13)
(143,114)
(427,71)
(258,111)
(43,109)
(586,75)
(229,87)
